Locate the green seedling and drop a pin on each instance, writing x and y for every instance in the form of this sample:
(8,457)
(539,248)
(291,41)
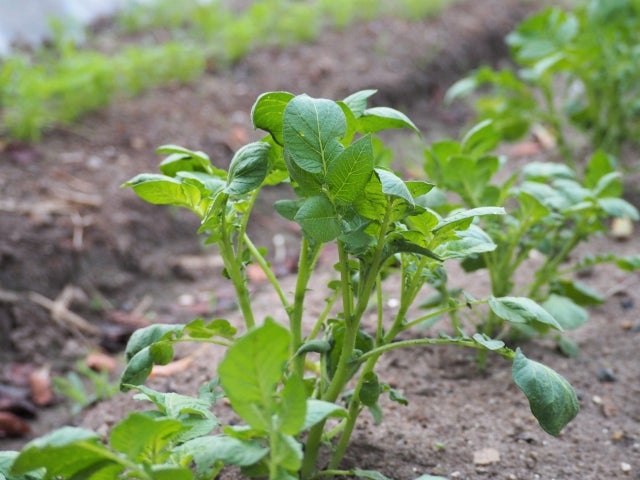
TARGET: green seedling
(84,387)
(286,375)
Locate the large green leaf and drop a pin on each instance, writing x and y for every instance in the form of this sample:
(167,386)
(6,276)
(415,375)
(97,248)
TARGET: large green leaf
(319,219)
(349,173)
(248,168)
(65,453)
(267,113)
(552,399)
(251,370)
(312,129)
(318,410)
(522,310)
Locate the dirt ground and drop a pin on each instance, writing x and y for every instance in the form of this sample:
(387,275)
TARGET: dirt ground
(73,242)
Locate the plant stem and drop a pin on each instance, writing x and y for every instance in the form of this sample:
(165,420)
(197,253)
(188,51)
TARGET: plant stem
(264,265)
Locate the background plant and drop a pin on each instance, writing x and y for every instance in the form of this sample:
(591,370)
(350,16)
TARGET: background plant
(575,69)
(285,379)
(550,211)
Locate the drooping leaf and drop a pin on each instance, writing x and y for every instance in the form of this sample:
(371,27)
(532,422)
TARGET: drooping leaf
(312,129)
(251,370)
(163,190)
(268,111)
(293,407)
(248,168)
(349,173)
(370,390)
(317,346)
(522,310)
(552,399)
(468,242)
(579,292)
(319,219)
(618,207)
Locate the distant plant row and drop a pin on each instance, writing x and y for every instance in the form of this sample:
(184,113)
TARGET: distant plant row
(54,86)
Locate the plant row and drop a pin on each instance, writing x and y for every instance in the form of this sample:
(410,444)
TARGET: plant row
(55,86)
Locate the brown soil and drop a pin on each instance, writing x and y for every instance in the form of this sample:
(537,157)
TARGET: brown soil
(64,221)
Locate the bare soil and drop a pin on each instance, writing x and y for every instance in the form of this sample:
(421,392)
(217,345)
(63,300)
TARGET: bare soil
(72,241)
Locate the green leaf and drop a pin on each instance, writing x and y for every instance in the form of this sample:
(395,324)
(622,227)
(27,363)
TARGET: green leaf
(569,315)
(147,336)
(393,185)
(463,218)
(248,168)
(181,159)
(319,219)
(600,165)
(251,370)
(293,407)
(357,102)
(288,208)
(162,190)
(317,346)
(618,207)
(370,390)
(381,118)
(268,111)
(65,452)
(318,410)
(312,129)
(349,173)
(552,399)
(487,342)
(137,370)
(210,453)
(522,310)
(286,452)
(579,292)
(481,139)
(170,472)
(141,437)
(468,242)
(218,327)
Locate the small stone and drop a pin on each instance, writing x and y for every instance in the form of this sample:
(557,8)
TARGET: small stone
(486,456)
(621,228)
(597,400)
(625,467)
(606,375)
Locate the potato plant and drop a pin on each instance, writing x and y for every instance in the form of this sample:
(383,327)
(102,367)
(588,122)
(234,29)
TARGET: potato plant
(285,377)
(575,70)
(551,210)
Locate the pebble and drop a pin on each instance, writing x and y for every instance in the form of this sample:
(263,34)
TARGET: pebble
(625,467)
(606,375)
(486,456)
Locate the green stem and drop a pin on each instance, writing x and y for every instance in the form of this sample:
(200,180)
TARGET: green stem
(234,269)
(264,265)
(306,262)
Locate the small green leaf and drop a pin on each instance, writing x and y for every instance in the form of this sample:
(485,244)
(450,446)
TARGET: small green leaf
(349,173)
(286,452)
(251,370)
(147,336)
(393,185)
(267,113)
(381,118)
(170,472)
(568,314)
(318,410)
(579,292)
(218,327)
(481,139)
(357,102)
(487,342)
(468,242)
(248,168)
(181,159)
(319,219)
(370,390)
(162,190)
(464,217)
(618,207)
(522,310)
(161,353)
(552,399)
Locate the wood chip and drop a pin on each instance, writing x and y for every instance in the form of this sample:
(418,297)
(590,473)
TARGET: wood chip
(13,426)
(41,386)
(608,408)
(621,228)
(99,361)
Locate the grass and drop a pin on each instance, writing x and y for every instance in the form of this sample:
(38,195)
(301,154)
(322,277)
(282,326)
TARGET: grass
(55,85)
